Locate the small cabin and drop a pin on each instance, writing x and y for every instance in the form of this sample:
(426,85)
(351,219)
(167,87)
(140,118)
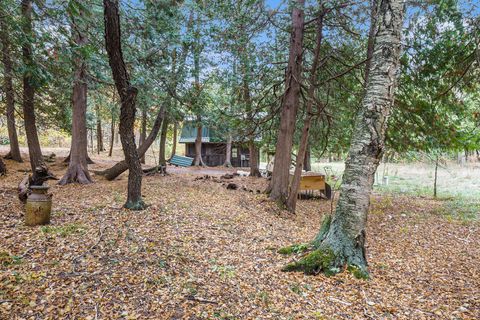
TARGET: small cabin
(214,147)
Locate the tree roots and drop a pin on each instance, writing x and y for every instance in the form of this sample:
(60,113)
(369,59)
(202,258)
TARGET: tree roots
(76,173)
(323,257)
(135,206)
(324,260)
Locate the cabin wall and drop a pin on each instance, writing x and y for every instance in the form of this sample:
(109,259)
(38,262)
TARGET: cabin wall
(213,154)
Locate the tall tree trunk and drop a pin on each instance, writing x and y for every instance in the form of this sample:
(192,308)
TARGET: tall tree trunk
(112,135)
(247,100)
(174,145)
(302,150)
(122,166)
(307,161)
(162,161)
(198,161)
(278,188)
(77,167)
(435,179)
(371,37)
(34,150)
(128,95)
(253,150)
(228,152)
(143,133)
(100,146)
(341,239)
(14,153)
(91,140)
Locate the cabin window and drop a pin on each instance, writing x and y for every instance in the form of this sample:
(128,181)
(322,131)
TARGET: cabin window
(234,152)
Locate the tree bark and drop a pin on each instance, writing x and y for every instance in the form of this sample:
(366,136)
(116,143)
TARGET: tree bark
(162,161)
(77,167)
(128,95)
(143,133)
(247,100)
(91,140)
(253,150)
(34,150)
(436,177)
(228,152)
(302,150)
(89,160)
(3,168)
(341,239)
(14,153)
(198,161)
(307,161)
(371,37)
(278,188)
(112,135)
(174,145)
(120,167)
(100,146)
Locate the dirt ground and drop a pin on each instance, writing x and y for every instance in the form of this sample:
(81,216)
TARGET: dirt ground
(201,251)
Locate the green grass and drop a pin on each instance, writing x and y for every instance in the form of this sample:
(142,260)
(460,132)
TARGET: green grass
(460,209)
(400,185)
(63,231)
(457,186)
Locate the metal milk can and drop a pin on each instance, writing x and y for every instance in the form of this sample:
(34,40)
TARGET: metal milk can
(38,206)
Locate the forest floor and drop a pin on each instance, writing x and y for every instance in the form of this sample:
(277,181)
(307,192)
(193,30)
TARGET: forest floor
(201,251)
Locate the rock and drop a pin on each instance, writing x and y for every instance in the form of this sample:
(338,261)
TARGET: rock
(232,186)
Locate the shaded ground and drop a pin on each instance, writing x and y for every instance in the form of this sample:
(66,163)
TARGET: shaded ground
(203,252)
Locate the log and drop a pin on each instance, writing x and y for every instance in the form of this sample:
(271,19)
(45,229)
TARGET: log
(120,167)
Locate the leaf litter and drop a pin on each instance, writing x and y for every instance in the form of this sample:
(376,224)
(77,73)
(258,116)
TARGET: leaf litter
(201,251)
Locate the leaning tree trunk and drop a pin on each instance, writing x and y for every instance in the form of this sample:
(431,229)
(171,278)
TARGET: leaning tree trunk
(14,153)
(34,150)
(143,132)
(341,240)
(128,95)
(163,141)
(77,167)
(278,187)
(120,167)
(302,150)
(228,152)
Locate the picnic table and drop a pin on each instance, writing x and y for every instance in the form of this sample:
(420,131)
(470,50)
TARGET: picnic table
(311,181)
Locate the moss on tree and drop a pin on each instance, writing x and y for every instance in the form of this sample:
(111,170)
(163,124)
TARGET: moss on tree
(358,272)
(135,206)
(295,248)
(319,260)
(326,222)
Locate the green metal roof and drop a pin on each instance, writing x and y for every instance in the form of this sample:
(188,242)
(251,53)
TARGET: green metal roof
(189,134)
